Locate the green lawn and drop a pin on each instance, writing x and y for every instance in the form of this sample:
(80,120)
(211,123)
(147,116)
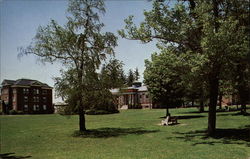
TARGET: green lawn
(131,134)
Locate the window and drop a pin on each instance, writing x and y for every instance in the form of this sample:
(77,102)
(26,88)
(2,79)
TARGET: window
(44,92)
(140,96)
(44,107)
(25,90)
(13,98)
(35,99)
(25,107)
(44,99)
(14,91)
(5,91)
(25,98)
(36,107)
(146,96)
(36,91)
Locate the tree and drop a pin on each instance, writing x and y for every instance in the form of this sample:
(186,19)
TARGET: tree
(123,78)
(112,74)
(130,78)
(98,100)
(80,46)
(137,74)
(207,28)
(162,78)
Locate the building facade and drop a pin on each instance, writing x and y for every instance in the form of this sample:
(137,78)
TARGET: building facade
(135,97)
(27,96)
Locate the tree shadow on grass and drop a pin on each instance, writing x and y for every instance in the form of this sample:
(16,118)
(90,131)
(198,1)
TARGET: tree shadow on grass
(12,156)
(111,132)
(185,116)
(219,111)
(224,136)
(241,114)
(193,112)
(235,114)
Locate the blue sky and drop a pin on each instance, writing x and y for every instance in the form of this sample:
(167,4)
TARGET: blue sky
(19,20)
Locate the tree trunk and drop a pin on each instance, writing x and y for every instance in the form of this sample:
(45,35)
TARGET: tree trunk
(243,100)
(167,110)
(213,95)
(81,110)
(201,101)
(201,106)
(82,120)
(213,80)
(220,101)
(242,88)
(192,102)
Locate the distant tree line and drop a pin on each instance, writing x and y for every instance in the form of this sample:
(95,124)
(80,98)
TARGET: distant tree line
(115,77)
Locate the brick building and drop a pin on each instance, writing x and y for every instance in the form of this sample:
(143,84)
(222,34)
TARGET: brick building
(26,95)
(134,97)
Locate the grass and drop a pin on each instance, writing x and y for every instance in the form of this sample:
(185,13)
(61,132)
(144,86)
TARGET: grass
(131,134)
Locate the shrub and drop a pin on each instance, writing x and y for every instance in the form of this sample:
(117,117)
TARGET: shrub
(100,112)
(66,110)
(20,112)
(12,112)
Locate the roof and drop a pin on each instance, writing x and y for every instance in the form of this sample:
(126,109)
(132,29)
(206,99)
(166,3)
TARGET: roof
(115,90)
(8,82)
(60,104)
(143,88)
(123,90)
(24,82)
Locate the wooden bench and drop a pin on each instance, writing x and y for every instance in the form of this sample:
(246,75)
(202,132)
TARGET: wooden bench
(173,120)
(169,120)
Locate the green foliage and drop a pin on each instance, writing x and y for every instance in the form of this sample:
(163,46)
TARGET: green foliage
(12,112)
(101,100)
(162,77)
(216,31)
(130,78)
(20,112)
(137,74)
(98,97)
(112,74)
(80,46)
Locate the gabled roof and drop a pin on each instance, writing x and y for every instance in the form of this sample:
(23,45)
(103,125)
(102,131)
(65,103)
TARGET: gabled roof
(24,82)
(8,82)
